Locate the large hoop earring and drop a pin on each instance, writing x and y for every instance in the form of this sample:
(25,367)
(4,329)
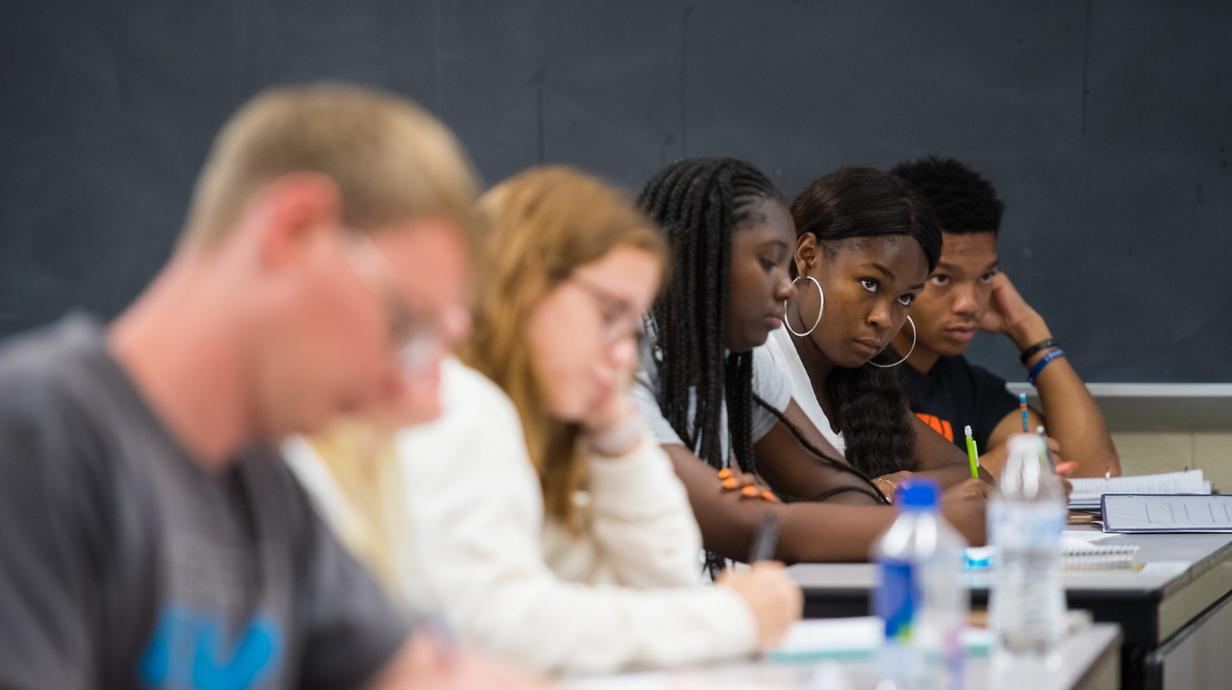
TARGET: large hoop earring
(820,308)
(904,359)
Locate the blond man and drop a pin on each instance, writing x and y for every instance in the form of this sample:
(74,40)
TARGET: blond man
(151,537)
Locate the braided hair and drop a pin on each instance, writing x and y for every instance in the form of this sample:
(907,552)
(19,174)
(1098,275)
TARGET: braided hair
(964,201)
(871,406)
(699,203)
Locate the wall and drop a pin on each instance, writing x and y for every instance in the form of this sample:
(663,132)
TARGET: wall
(1104,124)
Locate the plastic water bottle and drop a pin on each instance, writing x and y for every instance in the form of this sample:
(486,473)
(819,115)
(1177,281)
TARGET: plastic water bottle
(1027,604)
(922,598)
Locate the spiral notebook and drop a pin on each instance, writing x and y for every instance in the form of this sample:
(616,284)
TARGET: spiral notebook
(1076,554)
(1087,556)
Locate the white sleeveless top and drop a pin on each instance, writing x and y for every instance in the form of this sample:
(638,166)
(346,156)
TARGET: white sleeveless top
(783,353)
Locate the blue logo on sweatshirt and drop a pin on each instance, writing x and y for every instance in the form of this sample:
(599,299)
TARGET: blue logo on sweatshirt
(191,651)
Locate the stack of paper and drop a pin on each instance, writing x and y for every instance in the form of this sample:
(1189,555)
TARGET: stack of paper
(1088,492)
(852,638)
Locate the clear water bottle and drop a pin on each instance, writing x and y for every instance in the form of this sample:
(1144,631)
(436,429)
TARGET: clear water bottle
(1027,603)
(922,597)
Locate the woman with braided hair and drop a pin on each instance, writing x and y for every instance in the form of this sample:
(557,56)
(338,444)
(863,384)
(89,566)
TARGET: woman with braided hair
(715,400)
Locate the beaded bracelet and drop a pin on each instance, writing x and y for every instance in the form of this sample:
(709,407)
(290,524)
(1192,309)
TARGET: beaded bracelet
(1039,366)
(1041,345)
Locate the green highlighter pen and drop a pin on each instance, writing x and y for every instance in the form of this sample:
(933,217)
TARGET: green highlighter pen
(973,456)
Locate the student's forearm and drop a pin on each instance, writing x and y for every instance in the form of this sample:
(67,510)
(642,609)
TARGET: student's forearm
(793,468)
(1071,414)
(1073,418)
(824,532)
(831,531)
(828,533)
(834,531)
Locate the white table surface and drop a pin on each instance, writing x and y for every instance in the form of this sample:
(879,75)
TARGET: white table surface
(1090,660)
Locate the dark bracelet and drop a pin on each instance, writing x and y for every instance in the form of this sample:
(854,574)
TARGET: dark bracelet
(1041,345)
(1039,366)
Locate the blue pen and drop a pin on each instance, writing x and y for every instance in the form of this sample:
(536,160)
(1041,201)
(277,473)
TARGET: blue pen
(1022,405)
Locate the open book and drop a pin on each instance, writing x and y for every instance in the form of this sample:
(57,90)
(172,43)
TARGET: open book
(1087,492)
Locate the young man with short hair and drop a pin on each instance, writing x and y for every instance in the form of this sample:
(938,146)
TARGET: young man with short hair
(151,535)
(966,294)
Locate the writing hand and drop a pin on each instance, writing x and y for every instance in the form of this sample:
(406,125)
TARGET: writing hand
(965,506)
(774,599)
(889,483)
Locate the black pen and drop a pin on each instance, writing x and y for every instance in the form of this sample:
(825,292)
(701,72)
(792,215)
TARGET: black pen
(767,539)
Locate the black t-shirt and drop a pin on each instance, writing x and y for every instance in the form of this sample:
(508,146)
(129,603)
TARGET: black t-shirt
(954,394)
(125,564)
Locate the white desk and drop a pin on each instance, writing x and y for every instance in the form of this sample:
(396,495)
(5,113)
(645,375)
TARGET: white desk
(1174,613)
(1089,661)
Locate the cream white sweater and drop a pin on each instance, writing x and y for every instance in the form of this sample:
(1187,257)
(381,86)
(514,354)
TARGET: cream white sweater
(475,546)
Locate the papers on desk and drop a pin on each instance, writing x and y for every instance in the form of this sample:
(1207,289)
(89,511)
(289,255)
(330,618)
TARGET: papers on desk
(1180,513)
(1087,492)
(835,638)
(825,640)
(851,638)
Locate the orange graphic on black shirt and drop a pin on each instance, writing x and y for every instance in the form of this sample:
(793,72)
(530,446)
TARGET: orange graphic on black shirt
(938,425)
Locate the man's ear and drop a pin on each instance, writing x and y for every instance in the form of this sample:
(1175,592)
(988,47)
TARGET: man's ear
(808,253)
(300,210)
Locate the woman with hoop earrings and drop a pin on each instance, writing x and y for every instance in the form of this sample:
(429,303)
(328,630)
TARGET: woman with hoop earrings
(720,407)
(865,244)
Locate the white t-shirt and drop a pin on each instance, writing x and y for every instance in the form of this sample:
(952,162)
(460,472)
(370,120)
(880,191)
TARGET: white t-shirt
(768,383)
(782,352)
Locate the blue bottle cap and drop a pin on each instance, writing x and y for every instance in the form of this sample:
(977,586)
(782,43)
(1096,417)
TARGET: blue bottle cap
(918,494)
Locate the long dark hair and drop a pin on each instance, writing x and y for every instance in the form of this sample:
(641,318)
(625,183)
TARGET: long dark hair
(698,203)
(871,405)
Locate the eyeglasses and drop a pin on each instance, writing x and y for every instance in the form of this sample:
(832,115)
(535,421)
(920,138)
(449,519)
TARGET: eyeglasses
(620,319)
(420,339)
